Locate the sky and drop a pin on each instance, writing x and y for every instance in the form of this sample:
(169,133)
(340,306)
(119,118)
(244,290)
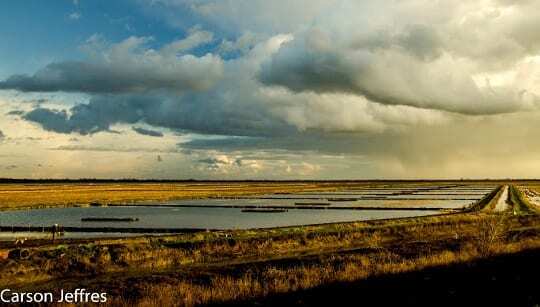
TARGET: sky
(256,89)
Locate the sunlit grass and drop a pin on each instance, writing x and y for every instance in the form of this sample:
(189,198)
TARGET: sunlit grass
(49,195)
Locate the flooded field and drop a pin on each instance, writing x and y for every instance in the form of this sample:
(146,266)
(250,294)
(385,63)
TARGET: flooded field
(260,211)
(194,218)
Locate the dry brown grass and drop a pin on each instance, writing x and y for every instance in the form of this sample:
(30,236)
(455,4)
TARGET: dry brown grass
(196,268)
(166,253)
(273,280)
(34,195)
(426,238)
(47,195)
(491,230)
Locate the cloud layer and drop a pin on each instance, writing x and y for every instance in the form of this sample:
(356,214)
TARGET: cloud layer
(355,78)
(128,66)
(417,64)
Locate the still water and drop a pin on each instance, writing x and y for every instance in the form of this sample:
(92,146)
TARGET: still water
(199,218)
(226,213)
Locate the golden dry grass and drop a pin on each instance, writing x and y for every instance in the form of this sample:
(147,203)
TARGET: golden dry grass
(49,195)
(167,253)
(331,253)
(270,279)
(275,280)
(36,195)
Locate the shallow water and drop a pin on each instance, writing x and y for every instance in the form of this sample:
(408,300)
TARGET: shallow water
(413,197)
(206,213)
(200,218)
(291,203)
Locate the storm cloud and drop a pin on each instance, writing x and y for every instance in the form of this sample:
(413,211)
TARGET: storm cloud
(201,114)
(147,132)
(393,81)
(333,73)
(412,68)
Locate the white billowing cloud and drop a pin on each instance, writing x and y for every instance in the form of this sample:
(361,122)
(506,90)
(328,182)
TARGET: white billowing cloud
(221,163)
(128,66)
(426,54)
(242,44)
(345,112)
(401,59)
(240,164)
(495,34)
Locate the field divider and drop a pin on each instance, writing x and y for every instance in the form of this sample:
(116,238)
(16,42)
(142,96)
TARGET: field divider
(520,203)
(49,229)
(307,206)
(488,201)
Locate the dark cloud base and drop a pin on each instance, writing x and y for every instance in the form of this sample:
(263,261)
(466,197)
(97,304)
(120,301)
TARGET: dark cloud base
(147,132)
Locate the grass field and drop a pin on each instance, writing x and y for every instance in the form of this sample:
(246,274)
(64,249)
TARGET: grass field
(73,194)
(475,249)
(32,195)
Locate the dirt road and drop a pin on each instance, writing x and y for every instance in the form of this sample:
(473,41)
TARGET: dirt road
(502,203)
